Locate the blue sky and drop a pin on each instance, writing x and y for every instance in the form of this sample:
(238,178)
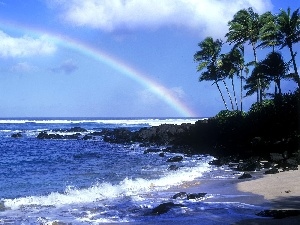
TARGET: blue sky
(47,70)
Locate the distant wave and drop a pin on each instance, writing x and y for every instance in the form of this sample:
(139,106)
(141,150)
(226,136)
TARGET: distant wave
(119,121)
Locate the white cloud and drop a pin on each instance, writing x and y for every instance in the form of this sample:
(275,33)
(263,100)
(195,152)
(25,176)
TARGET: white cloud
(22,67)
(206,16)
(24,46)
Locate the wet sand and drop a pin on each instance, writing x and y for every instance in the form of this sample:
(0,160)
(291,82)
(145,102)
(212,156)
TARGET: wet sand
(271,191)
(282,190)
(279,191)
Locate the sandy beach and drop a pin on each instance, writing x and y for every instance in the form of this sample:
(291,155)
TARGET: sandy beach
(279,191)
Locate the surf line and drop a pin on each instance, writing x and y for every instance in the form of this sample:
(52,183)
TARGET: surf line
(145,80)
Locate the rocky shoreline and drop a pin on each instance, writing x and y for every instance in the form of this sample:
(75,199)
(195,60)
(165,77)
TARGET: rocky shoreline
(199,138)
(188,139)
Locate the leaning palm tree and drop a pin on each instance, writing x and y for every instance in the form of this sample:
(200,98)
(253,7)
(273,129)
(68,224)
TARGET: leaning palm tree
(245,27)
(208,58)
(236,64)
(289,34)
(228,70)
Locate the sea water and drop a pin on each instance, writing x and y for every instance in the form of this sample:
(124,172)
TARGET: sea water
(95,182)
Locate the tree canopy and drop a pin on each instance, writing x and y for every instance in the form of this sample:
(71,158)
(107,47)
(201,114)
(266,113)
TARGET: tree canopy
(265,31)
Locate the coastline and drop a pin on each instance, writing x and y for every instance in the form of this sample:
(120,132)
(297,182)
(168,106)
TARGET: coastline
(279,191)
(282,189)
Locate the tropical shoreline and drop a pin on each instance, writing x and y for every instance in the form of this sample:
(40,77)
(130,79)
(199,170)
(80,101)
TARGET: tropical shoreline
(278,192)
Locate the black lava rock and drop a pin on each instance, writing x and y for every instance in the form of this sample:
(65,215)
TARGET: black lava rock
(196,195)
(164,208)
(272,171)
(245,176)
(16,135)
(181,195)
(175,159)
(161,154)
(279,214)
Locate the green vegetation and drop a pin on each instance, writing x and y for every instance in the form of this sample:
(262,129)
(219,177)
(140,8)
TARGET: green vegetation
(260,31)
(272,123)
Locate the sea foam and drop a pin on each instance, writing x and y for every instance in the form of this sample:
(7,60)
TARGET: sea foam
(102,191)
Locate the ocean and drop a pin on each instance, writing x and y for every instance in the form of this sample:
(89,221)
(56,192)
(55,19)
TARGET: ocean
(76,181)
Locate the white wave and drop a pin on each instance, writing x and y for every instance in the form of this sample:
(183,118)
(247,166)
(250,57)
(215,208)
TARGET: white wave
(101,191)
(150,122)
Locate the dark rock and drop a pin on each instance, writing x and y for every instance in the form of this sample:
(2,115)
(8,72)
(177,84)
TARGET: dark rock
(257,141)
(272,171)
(161,154)
(175,159)
(96,133)
(196,195)
(73,129)
(173,167)
(72,136)
(164,208)
(45,135)
(245,176)
(181,195)
(276,157)
(77,129)
(289,164)
(279,214)
(268,165)
(87,137)
(223,160)
(120,135)
(16,135)
(252,164)
(215,162)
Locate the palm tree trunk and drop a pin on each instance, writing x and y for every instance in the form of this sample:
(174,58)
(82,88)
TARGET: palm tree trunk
(218,86)
(234,94)
(258,91)
(275,92)
(228,92)
(241,74)
(294,64)
(278,85)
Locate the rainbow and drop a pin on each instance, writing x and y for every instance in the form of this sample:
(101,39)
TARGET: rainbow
(117,64)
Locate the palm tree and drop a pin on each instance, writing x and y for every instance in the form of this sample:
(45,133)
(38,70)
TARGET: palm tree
(269,32)
(289,34)
(274,68)
(208,58)
(236,64)
(252,85)
(245,27)
(228,69)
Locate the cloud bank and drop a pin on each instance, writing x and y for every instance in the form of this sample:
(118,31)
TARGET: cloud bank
(24,46)
(207,16)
